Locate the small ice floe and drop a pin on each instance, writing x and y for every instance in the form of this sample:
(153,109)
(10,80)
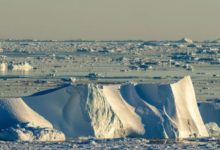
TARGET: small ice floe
(213,129)
(25,66)
(188,67)
(3,66)
(1,50)
(70,80)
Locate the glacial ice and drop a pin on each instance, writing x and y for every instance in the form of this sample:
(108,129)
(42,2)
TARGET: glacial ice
(107,111)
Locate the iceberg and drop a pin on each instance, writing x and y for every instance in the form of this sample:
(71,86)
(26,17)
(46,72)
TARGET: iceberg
(107,111)
(186,40)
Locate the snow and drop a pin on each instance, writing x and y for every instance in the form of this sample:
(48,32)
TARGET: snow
(125,112)
(28,132)
(20,122)
(213,129)
(106,111)
(187,113)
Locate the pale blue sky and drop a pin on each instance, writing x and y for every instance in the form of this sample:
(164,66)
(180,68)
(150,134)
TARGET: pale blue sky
(110,19)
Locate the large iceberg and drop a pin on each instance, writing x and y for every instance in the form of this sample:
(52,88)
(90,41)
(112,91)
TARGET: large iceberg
(110,111)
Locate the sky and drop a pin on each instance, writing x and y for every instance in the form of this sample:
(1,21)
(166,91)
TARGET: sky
(110,19)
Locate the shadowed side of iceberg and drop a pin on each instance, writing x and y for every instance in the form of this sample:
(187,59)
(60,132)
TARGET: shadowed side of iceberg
(15,111)
(20,122)
(210,111)
(151,117)
(79,110)
(66,109)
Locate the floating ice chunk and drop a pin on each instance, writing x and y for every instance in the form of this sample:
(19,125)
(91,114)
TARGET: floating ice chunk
(20,66)
(3,66)
(213,129)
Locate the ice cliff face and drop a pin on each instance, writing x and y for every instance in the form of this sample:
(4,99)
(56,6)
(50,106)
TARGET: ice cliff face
(210,111)
(166,111)
(112,111)
(105,123)
(20,122)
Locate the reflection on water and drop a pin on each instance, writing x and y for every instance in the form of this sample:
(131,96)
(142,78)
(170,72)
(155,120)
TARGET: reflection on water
(15,72)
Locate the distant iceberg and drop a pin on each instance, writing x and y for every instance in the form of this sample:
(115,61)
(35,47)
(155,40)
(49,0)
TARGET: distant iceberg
(107,111)
(3,66)
(25,66)
(186,40)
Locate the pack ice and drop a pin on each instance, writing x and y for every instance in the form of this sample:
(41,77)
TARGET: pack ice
(104,111)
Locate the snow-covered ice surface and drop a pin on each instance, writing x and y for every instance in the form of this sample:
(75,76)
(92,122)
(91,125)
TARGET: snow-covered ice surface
(29,132)
(213,129)
(123,143)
